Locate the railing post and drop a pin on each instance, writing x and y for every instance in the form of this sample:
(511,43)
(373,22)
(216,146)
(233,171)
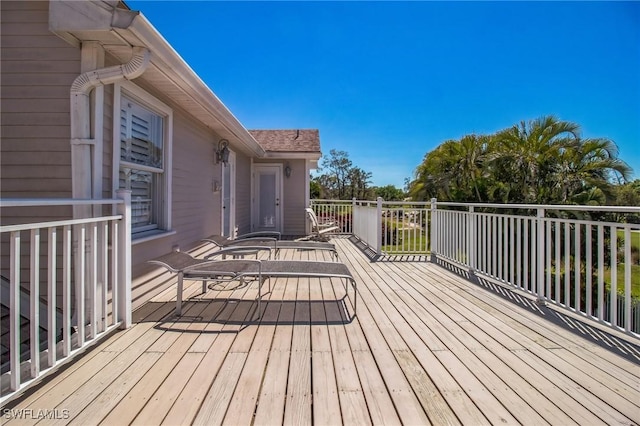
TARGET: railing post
(124,254)
(353,213)
(433,237)
(379,227)
(540,285)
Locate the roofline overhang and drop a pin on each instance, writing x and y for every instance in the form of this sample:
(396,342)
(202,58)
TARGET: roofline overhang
(106,16)
(314,156)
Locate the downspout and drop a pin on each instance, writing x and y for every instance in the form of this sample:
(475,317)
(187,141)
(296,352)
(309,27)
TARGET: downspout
(81,140)
(82,143)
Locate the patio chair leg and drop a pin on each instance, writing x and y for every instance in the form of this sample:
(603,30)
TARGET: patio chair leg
(179,295)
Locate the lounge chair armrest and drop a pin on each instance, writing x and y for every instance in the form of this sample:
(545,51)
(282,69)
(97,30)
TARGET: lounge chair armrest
(237,250)
(270,234)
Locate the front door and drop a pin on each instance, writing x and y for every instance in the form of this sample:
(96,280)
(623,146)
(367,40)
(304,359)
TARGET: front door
(229,197)
(267,211)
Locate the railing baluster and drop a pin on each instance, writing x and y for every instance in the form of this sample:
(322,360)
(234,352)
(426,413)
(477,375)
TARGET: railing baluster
(601,272)
(627,279)
(512,265)
(577,261)
(67,240)
(104,274)
(548,260)
(14,319)
(34,297)
(93,281)
(567,264)
(526,258)
(613,317)
(588,272)
(51,297)
(81,275)
(115,265)
(558,229)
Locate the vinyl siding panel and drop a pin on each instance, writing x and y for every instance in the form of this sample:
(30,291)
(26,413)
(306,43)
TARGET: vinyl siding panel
(293,199)
(243,193)
(37,71)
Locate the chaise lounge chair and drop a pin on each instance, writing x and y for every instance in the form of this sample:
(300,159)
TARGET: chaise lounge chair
(189,267)
(274,243)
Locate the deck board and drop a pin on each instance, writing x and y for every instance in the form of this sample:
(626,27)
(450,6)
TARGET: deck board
(426,347)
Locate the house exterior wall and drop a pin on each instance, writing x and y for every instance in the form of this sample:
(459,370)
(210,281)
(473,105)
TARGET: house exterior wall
(37,71)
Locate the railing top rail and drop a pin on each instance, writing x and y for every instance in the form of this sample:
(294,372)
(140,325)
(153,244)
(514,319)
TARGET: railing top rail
(620,209)
(34,202)
(37,225)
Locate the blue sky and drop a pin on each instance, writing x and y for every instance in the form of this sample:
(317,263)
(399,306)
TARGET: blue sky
(387,82)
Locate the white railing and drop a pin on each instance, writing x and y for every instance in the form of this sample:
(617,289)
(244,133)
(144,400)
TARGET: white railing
(75,278)
(561,255)
(365,223)
(337,211)
(550,252)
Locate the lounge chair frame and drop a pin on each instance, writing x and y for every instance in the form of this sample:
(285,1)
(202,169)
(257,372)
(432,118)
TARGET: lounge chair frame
(276,245)
(226,270)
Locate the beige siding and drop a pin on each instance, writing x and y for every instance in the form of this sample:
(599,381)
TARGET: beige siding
(37,71)
(294,199)
(243,193)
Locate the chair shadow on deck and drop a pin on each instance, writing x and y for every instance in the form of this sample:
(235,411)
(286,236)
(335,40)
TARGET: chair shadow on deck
(579,326)
(241,313)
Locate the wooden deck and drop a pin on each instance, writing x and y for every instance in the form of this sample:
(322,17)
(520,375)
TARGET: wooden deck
(426,347)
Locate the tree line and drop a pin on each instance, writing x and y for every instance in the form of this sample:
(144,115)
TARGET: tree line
(541,161)
(341,180)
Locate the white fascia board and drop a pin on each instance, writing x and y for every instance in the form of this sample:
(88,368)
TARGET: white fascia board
(294,155)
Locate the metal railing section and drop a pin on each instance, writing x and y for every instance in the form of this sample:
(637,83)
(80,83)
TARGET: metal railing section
(338,211)
(75,275)
(565,255)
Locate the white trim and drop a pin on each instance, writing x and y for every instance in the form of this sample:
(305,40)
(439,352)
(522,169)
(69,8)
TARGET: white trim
(147,100)
(293,155)
(232,196)
(152,236)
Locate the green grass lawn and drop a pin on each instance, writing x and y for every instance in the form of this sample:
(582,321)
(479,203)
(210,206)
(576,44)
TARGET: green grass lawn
(408,244)
(635,239)
(635,279)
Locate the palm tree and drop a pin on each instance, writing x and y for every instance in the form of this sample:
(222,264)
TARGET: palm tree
(587,165)
(530,151)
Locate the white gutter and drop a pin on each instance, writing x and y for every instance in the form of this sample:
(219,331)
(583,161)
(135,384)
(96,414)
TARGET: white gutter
(81,140)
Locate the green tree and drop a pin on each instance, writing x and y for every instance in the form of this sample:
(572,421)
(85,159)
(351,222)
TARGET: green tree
(389,193)
(341,179)
(542,161)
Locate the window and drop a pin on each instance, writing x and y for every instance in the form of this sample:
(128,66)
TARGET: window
(142,158)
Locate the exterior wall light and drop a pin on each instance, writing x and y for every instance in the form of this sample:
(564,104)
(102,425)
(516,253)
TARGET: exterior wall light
(222,154)
(287,170)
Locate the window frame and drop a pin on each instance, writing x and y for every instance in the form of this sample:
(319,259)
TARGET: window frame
(138,95)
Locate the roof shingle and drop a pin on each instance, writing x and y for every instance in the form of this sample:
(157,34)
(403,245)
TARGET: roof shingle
(296,140)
